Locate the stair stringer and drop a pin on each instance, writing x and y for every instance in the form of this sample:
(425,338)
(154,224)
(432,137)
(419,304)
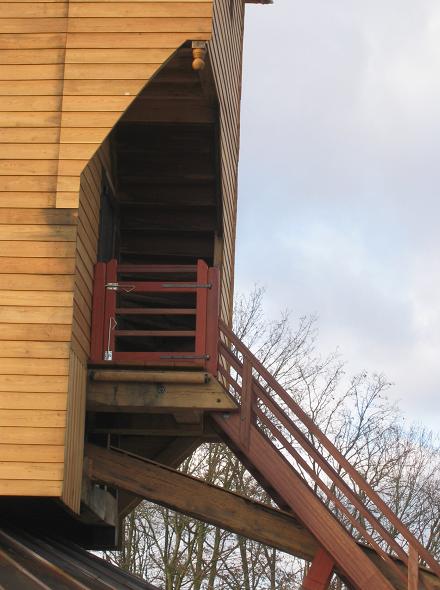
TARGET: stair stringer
(359,570)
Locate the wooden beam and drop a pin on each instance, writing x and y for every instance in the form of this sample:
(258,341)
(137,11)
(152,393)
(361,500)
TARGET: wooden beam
(220,507)
(172,455)
(319,575)
(204,501)
(193,377)
(127,396)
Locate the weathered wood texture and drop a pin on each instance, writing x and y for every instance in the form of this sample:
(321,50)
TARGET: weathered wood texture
(225,53)
(68,71)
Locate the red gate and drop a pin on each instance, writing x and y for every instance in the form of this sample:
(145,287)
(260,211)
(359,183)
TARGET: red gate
(157,315)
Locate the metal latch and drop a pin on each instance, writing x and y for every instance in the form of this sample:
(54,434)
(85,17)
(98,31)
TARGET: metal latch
(187,285)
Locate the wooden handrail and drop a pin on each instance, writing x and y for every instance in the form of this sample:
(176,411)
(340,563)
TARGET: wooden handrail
(255,396)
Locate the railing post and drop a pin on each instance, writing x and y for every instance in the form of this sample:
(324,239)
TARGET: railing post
(246,403)
(413,568)
(98,310)
(212,317)
(201,307)
(110,311)
(320,573)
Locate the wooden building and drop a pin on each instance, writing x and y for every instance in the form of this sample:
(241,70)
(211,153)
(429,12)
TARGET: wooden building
(119,139)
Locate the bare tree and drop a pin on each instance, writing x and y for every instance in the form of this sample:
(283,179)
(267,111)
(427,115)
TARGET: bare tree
(403,465)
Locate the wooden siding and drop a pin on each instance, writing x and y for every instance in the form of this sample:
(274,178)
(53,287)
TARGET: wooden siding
(112,50)
(225,52)
(68,71)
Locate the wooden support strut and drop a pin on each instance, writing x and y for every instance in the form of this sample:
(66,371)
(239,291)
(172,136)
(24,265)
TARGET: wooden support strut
(320,573)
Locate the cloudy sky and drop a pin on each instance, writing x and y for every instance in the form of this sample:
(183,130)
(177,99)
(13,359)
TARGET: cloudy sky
(339,200)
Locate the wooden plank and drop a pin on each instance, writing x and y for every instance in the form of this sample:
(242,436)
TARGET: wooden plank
(27,119)
(32,41)
(14,487)
(33,25)
(35,332)
(30,103)
(109,71)
(33,216)
(113,56)
(28,151)
(31,72)
(36,315)
(36,298)
(171,10)
(84,135)
(29,183)
(32,453)
(37,265)
(33,9)
(12,400)
(105,40)
(50,233)
(28,470)
(28,135)
(28,167)
(27,200)
(31,436)
(137,25)
(149,397)
(29,56)
(50,251)
(30,87)
(34,349)
(33,366)
(33,418)
(22,282)
(34,383)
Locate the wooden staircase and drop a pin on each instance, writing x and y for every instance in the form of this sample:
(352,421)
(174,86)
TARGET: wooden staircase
(304,472)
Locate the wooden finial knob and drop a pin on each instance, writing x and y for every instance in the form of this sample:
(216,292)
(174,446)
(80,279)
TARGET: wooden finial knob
(198,58)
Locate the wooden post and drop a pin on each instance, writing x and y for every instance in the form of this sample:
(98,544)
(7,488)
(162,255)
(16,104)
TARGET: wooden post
(201,307)
(98,305)
(110,309)
(246,403)
(320,573)
(413,568)
(212,330)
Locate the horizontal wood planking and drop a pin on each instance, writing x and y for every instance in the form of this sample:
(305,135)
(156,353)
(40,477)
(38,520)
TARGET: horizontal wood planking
(31,470)
(29,333)
(34,350)
(30,418)
(22,487)
(57,106)
(33,366)
(51,453)
(10,400)
(31,436)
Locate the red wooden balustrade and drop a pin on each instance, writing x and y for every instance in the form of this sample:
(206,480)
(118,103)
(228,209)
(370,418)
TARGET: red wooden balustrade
(267,407)
(126,292)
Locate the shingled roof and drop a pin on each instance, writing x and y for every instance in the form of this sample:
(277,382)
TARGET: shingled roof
(39,563)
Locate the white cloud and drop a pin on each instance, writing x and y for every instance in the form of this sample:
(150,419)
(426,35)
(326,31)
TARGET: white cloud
(340,173)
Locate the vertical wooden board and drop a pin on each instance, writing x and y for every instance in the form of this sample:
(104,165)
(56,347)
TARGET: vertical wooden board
(225,52)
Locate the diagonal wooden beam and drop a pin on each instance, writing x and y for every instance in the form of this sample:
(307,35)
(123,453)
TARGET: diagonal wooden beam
(220,507)
(204,501)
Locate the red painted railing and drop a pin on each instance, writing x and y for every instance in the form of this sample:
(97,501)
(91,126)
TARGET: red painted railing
(267,407)
(157,315)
